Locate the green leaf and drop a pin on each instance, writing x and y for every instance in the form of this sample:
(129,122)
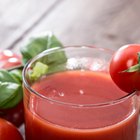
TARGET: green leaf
(47,63)
(34,47)
(50,63)
(38,70)
(53,42)
(10,85)
(8,91)
(14,101)
(56,68)
(5,76)
(17,74)
(39,44)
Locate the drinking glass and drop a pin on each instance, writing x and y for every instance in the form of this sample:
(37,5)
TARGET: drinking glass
(87,105)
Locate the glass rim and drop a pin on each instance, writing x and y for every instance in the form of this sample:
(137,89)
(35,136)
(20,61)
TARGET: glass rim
(32,91)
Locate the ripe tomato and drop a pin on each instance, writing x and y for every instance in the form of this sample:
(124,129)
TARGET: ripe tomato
(125,68)
(8,131)
(15,115)
(9,59)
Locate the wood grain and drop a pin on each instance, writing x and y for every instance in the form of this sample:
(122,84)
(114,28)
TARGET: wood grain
(104,23)
(18,17)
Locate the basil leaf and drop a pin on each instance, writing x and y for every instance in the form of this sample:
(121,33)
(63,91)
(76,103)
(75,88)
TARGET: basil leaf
(37,45)
(53,42)
(56,57)
(56,61)
(50,63)
(56,68)
(17,74)
(10,85)
(8,91)
(14,101)
(5,76)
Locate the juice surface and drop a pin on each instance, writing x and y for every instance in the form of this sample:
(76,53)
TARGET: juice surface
(72,119)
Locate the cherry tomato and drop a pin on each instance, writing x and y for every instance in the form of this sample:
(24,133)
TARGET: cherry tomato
(123,69)
(15,115)
(8,131)
(9,59)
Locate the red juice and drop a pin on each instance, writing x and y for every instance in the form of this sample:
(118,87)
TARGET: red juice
(73,109)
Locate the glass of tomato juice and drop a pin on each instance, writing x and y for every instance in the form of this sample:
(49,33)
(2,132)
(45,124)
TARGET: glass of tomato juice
(69,95)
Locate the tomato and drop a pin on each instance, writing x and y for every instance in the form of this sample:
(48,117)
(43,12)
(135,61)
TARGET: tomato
(9,59)
(125,68)
(8,131)
(15,115)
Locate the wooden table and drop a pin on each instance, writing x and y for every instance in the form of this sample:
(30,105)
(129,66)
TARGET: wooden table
(104,23)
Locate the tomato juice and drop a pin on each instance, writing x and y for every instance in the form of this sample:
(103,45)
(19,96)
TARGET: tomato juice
(79,105)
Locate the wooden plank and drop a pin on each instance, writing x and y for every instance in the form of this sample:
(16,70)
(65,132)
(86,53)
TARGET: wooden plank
(104,23)
(19,17)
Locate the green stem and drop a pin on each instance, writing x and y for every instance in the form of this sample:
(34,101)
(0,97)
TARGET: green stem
(139,58)
(135,67)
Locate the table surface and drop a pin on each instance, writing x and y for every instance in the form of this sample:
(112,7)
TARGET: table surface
(103,23)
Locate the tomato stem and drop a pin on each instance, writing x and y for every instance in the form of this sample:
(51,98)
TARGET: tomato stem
(133,68)
(136,67)
(138,58)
